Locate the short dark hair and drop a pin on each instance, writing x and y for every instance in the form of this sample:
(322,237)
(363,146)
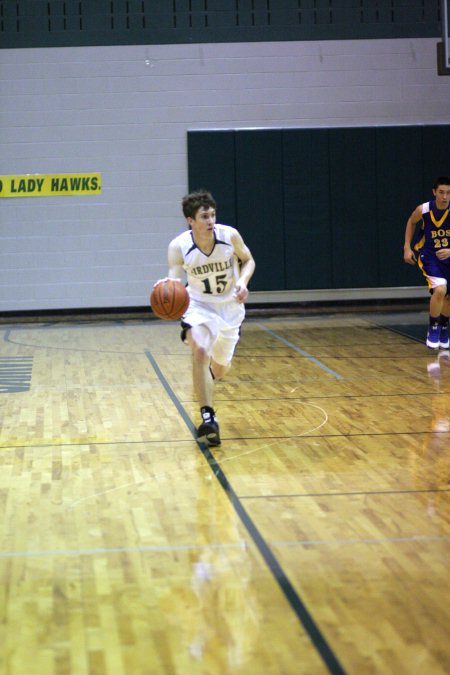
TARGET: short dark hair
(194,201)
(442,180)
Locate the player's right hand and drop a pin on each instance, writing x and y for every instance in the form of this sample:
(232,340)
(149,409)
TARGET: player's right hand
(409,256)
(161,281)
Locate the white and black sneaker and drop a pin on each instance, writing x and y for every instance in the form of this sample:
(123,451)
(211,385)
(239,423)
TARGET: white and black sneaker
(209,428)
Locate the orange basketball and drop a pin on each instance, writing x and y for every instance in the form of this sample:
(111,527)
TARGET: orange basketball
(169,300)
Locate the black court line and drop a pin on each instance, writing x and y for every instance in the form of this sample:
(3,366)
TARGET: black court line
(416,332)
(359,493)
(323,648)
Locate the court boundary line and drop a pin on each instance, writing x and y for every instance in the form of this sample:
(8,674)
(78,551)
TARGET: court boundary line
(358,493)
(117,549)
(307,355)
(92,441)
(399,332)
(416,538)
(296,603)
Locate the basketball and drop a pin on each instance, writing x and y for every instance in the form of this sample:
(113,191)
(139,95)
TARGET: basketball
(169,300)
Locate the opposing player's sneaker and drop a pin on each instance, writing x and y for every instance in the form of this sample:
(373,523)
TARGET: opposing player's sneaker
(209,429)
(433,336)
(444,341)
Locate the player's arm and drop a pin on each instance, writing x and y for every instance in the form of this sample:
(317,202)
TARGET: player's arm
(247,266)
(411,224)
(175,262)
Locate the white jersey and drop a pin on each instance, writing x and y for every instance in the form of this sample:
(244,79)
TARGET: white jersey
(213,277)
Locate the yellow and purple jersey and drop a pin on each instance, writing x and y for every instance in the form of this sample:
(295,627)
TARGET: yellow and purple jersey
(434,233)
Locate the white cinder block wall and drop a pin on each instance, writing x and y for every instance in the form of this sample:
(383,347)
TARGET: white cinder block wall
(125,112)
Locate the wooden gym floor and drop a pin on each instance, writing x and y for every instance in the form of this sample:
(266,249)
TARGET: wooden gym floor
(315,540)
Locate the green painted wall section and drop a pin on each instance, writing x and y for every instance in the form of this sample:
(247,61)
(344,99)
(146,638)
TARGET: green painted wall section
(77,23)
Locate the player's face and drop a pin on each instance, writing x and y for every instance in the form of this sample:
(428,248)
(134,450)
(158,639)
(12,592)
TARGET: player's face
(203,223)
(442,194)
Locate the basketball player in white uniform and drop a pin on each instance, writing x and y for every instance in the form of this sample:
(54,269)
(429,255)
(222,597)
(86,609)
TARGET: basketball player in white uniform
(218,266)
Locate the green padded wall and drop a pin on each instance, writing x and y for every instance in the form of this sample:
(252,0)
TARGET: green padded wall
(399,189)
(353,208)
(214,152)
(307,221)
(259,204)
(322,208)
(436,153)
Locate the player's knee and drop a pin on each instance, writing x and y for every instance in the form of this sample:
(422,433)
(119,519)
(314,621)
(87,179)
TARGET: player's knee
(440,291)
(218,370)
(199,352)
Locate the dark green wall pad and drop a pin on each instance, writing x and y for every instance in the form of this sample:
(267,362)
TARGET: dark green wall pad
(321,208)
(77,23)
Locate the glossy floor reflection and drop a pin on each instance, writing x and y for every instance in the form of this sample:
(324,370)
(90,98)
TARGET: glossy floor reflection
(316,539)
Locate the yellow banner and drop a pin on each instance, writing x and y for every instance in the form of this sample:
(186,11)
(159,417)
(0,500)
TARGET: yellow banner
(51,185)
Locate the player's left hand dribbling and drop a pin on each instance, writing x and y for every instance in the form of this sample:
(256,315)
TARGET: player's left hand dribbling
(241,293)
